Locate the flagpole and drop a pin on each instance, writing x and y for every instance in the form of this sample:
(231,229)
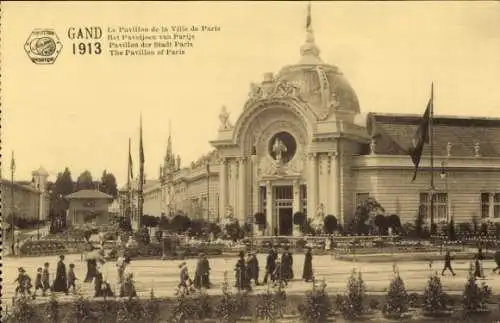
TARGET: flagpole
(12,169)
(129,186)
(431,144)
(141,179)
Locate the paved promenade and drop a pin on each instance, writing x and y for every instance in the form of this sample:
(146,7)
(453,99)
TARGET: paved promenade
(163,276)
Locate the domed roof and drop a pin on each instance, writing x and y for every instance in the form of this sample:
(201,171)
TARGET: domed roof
(322,86)
(41,171)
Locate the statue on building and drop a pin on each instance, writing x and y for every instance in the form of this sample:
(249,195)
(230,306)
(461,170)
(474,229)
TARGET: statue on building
(319,218)
(278,149)
(225,124)
(373,145)
(255,91)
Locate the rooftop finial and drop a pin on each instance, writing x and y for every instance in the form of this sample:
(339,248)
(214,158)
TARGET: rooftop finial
(309,51)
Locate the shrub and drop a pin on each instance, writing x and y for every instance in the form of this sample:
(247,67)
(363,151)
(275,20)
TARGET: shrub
(151,309)
(413,300)
(52,309)
(475,298)
(81,311)
(330,224)
(351,305)
(397,298)
(108,310)
(317,306)
(23,310)
(228,310)
(434,297)
(299,218)
(129,311)
(270,305)
(202,305)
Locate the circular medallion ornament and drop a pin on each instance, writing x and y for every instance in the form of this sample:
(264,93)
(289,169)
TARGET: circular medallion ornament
(282,147)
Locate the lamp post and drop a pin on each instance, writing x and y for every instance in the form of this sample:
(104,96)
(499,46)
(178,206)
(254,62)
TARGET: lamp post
(12,170)
(444,176)
(253,158)
(208,192)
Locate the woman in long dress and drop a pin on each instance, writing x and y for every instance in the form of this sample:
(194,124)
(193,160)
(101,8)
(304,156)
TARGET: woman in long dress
(307,274)
(61,281)
(93,258)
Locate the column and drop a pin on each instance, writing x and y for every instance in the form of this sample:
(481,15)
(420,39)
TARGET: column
(491,206)
(241,190)
(222,188)
(312,185)
(296,196)
(269,208)
(255,187)
(334,207)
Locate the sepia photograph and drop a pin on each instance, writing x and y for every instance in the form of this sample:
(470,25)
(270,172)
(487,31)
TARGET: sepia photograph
(253,161)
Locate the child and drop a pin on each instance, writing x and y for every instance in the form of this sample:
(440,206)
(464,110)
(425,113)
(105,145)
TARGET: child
(185,284)
(23,282)
(72,277)
(45,278)
(38,282)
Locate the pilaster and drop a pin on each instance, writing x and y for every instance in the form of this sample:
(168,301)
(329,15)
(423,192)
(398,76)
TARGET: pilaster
(223,187)
(269,208)
(312,186)
(334,193)
(241,189)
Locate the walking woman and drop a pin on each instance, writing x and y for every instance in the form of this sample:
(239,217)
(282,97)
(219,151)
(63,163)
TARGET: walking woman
(307,275)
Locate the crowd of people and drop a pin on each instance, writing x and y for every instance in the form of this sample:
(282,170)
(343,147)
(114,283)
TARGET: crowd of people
(65,280)
(278,271)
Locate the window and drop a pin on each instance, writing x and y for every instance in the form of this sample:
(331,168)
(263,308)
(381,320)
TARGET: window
(490,205)
(440,206)
(485,205)
(360,198)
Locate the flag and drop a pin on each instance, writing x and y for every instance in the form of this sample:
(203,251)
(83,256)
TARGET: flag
(130,167)
(308,19)
(13,163)
(421,136)
(141,147)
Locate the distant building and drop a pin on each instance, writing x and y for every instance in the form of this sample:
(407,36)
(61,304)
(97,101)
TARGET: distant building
(88,207)
(31,198)
(154,200)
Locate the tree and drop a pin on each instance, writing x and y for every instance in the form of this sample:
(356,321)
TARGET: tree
(58,205)
(381,223)
(394,221)
(366,210)
(330,223)
(84,181)
(108,184)
(397,298)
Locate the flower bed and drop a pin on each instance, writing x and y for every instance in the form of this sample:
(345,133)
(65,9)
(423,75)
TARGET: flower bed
(43,248)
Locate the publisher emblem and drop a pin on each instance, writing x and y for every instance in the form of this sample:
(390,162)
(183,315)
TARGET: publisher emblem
(43,46)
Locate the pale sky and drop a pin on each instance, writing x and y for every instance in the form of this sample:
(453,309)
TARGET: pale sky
(81,111)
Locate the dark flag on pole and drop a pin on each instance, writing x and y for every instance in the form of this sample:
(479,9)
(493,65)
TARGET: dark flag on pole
(141,147)
(308,19)
(421,136)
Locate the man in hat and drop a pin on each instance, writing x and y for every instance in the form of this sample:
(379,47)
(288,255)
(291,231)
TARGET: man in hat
(253,268)
(270,265)
(205,282)
(185,282)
